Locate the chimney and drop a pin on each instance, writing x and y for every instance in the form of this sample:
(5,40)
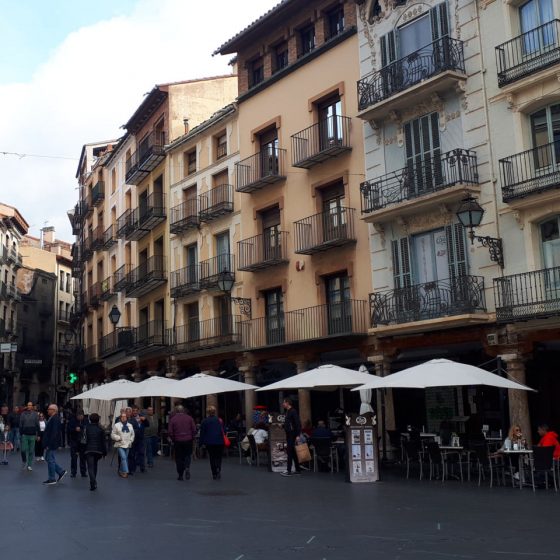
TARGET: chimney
(48,234)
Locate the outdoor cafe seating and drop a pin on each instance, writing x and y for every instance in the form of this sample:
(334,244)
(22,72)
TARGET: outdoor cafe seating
(324,453)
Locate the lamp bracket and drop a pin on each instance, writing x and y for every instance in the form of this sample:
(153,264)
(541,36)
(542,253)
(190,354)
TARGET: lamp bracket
(244,305)
(495,246)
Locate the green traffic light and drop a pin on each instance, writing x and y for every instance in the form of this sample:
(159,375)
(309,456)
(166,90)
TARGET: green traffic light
(72,377)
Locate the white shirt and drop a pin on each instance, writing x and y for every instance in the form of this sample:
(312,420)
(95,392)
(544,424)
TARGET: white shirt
(260,436)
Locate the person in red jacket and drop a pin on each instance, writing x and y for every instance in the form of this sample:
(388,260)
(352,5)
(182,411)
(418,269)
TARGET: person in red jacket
(549,439)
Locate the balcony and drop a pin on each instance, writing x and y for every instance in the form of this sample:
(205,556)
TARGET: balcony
(263,251)
(261,169)
(530,172)
(14,256)
(184,216)
(441,178)
(125,223)
(343,319)
(90,355)
(110,237)
(185,281)
(151,335)
(146,277)
(3,291)
(215,203)
(323,231)
(150,213)
(121,279)
(64,316)
(529,295)
(321,141)
(97,239)
(149,155)
(94,293)
(207,335)
(121,339)
(98,193)
(87,247)
(107,291)
(210,269)
(461,295)
(12,292)
(3,254)
(528,53)
(65,349)
(435,68)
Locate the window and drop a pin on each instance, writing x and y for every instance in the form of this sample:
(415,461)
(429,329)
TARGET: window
(280,56)
(330,124)
(256,72)
(533,15)
(306,40)
(190,163)
(223,252)
(113,180)
(339,306)
(334,213)
(550,239)
(270,220)
(61,281)
(335,22)
(268,141)
(545,132)
(193,323)
(274,314)
(221,146)
(191,259)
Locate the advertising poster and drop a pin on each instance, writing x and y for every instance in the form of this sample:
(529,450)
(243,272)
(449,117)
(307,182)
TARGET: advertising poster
(361,441)
(277,441)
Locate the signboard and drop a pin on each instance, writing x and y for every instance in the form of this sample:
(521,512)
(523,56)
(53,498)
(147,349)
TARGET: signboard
(30,361)
(277,442)
(14,347)
(5,347)
(362,455)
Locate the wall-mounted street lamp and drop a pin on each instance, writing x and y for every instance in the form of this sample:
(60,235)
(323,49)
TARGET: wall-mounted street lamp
(226,280)
(114,315)
(470,215)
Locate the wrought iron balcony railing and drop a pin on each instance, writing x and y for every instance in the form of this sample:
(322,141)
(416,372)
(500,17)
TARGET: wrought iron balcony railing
(150,335)
(185,281)
(442,55)
(107,291)
(204,335)
(216,202)
(125,223)
(150,212)
(90,354)
(344,318)
(419,178)
(64,316)
(98,193)
(3,254)
(110,237)
(528,53)
(121,339)
(146,277)
(263,251)
(94,293)
(84,302)
(321,141)
(148,156)
(210,269)
(97,238)
(121,278)
(529,295)
(531,172)
(184,216)
(87,247)
(432,300)
(263,168)
(12,292)
(331,228)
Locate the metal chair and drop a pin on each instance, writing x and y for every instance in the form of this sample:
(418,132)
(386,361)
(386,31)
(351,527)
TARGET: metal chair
(323,451)
(413,453)
(438,458)
(484,461)
(255,451)
(542,461)
(395,439)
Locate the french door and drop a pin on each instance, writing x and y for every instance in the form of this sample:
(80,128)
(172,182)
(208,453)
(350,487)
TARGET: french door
(545,129)
(339,306)
(274,309)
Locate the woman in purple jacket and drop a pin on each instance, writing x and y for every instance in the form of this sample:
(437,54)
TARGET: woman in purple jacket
(212,436)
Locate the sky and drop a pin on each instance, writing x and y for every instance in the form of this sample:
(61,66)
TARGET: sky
(74,72)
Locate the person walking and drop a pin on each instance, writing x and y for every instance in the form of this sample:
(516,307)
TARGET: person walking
(123,436)
(52,440)
(212,436)
(182,431)
(136,457)
(151,435)
(13,423)
(75,429)
(29,430)
(292,427)
(95,448)
(39,442)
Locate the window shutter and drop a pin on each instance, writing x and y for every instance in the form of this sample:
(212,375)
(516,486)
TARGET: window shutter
(456,247)
(401,262)
(388,49)
(440,21)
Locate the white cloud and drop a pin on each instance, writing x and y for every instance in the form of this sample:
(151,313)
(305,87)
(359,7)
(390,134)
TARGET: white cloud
(91,85)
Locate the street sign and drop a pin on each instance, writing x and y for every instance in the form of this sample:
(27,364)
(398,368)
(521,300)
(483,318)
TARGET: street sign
(5,347)
(30,361)
(14,347)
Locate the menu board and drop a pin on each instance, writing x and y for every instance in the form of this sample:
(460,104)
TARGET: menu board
(363,453)
(277,441)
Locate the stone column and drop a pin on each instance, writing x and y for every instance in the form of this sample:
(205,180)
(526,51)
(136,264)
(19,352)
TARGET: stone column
(383,368)
(518,401)
(304,397)
(211,400)
(250,397)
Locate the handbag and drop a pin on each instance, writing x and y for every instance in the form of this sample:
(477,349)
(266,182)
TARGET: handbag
(227,441)
(303,453)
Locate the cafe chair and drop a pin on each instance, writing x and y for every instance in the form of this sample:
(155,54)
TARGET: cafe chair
(255,451)
(542,462)
(413,454)
(484,462)
(324,453)
(395,439)
(441,461)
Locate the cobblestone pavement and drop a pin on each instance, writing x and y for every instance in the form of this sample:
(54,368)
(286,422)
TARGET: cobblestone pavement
(252,514)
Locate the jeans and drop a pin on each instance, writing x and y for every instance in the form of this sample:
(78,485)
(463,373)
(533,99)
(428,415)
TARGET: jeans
(183,454)
(291,451)
(13,437)
(92,459)
(136,457)
(151,449)
(123,459)
(53,468)
(215,453)
(28,448)
(77,450)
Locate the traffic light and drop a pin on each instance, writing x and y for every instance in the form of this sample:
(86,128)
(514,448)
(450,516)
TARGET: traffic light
(72,378)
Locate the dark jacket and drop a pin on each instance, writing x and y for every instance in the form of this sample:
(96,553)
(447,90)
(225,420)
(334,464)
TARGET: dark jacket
(95,440)
(13,420)
(52,436)
(29,423)
(138,429)
(182,427)
(292,424)
(74,437)
(211,431)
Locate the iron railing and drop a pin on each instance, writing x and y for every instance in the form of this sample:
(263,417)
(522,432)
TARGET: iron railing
(185,281)
(97,239)
(431,300)
(216,202)
(320,232)
(110,237)
(146,158)
(420,177)
(210,269)
(442,55)
(263,251)
(107,291)
(321,141)
(344,318)
(263,168)
(64,316)
(94,293)
(122,338)
(530,172)
(221,151)
(528,53)
(87,247)
(125,223)
(146,276)
(98,193)
(202,335)
(529,295)
(121,278)
(184,216)
(151,334)
(150,212)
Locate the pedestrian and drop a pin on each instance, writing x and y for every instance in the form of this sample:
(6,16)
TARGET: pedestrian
(212,436)
(13,423)
(182,431)
(95,448)
(29,430)
(75,428)
(123,436)
(52,440)
(137,457)
(151,436)
(39,443)
(292,427)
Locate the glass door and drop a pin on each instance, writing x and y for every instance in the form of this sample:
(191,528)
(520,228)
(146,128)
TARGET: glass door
(269,153)
(537,36)
(334,219)
(330,124)
(274,310)
(192,276)
(550,238)
(339,306)
(545,128)
(223,253)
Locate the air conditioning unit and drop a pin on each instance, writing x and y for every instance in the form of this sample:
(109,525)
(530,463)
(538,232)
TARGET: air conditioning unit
(492,339)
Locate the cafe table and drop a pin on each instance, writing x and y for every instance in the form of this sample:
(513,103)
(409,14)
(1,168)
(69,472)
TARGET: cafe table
(519,453)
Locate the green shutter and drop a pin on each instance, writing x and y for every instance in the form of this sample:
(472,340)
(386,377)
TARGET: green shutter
(456,247)
(388,49)
(440,21)
(401,262)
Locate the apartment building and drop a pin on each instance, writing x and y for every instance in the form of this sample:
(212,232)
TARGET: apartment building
(304,252)
(12,229)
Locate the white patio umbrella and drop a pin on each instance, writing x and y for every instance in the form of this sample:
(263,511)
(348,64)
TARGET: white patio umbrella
(365,395)
(201,384)
(119,389)
(327,376)
(155,386)
(442,373)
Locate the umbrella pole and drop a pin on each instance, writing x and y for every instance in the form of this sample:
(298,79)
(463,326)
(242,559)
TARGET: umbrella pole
(383,435)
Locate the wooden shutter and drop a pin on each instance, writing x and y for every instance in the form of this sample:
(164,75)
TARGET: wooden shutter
(456,248)
(440,21)
(388,48)
(401,262)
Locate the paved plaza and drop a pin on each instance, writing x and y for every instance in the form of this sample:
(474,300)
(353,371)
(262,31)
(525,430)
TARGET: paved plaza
(252,514)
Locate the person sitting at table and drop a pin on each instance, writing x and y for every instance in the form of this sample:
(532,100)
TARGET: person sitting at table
(321,431)
(261,439)
(514,436)
(549,439)
(307,428)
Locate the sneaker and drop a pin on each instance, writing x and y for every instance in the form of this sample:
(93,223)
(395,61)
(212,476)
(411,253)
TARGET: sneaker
(248,460)
(187,475)
(61,476)
(29,468)
(49,482)
(286,473)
